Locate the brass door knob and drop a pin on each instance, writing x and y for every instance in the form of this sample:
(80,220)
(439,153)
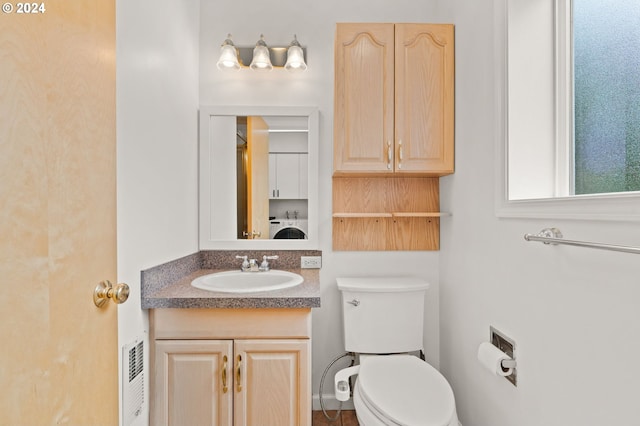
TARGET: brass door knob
(105,290)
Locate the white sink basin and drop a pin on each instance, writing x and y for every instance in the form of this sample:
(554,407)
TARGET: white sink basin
(247,282)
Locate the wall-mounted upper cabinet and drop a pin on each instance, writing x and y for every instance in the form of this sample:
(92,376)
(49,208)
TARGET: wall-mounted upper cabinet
(394,99)
(288,175)
(393,134)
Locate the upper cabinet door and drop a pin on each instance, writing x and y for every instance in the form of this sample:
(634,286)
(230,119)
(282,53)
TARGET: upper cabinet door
(424,123)
(364,98)
(394,99)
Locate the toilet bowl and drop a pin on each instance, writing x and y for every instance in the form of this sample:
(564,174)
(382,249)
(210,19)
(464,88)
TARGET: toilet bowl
(383,324)
(402,390)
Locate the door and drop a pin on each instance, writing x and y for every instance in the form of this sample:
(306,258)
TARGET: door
(424,98)
(284,175)
(273,176)
(364,98)
(272,382)
(59,361)
(289,175)
(258,177)
(303,180)
(194,383)
(242,212)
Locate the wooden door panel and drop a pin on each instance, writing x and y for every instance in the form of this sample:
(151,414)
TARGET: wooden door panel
(363,115)
(189,383)
(274,375)
(424,97)
(58,217)
(258,177)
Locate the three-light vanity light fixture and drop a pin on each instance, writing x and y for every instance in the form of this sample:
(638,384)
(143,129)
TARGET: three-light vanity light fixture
(262,57)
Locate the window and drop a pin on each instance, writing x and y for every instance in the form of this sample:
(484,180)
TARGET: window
(606,86)
(568,108)
(573,97)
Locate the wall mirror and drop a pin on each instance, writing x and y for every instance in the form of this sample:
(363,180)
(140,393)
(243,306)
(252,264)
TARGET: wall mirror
(258,177)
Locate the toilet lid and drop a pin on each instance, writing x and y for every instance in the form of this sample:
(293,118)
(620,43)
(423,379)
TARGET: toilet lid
(406,390)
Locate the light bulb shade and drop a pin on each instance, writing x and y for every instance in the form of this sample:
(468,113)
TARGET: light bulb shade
(228,56)
(295,59)
(261,60)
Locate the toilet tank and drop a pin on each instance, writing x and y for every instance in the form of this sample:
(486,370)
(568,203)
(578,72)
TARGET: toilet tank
(383,314)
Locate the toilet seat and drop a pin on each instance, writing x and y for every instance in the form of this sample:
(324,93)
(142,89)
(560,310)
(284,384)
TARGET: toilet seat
(404,390)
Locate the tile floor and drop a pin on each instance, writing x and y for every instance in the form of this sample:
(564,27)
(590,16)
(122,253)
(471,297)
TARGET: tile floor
(347,418)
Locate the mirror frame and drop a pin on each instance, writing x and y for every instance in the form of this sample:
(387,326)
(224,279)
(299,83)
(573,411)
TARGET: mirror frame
(204,191)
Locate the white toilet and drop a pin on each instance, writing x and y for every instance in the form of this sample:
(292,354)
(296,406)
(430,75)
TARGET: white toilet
(383,322)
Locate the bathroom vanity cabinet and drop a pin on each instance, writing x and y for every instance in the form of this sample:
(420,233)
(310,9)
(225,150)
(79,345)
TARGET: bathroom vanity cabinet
(228,367)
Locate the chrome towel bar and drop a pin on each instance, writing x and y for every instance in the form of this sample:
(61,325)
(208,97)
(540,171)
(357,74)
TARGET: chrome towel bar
(554,236)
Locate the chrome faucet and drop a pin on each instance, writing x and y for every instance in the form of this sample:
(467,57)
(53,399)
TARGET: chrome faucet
(264,266)
(251,265)
(245,263)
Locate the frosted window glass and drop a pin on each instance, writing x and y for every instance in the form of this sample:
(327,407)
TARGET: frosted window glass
(607,95)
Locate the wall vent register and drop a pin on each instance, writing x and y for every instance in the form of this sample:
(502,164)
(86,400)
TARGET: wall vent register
(133,381)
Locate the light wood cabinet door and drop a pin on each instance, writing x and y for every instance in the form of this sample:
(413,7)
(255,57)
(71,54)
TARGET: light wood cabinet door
(190,379)
(364,98)
(272,382)
(394,97)
(424,108)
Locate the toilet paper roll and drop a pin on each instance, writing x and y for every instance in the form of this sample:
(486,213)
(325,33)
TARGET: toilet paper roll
(491,358)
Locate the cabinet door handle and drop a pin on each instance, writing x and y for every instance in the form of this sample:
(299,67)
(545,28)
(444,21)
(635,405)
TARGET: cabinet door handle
(400,154)
(224,374)
(389,154)
(238,374)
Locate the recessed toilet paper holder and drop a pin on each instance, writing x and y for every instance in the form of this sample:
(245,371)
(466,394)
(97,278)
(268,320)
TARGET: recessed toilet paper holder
(508,363)
(508,346)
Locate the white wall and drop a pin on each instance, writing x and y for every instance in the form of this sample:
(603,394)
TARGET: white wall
(157,107)
(314,24)
(573,312)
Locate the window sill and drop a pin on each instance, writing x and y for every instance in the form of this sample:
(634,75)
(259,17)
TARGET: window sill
(607,207)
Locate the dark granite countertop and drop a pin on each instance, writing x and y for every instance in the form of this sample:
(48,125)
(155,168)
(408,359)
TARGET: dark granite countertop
(169,286)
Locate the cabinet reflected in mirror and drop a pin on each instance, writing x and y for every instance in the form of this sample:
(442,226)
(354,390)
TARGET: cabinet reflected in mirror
(258,177)
(272,177)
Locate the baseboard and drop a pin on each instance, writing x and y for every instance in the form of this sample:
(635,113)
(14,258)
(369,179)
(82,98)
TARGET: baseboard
(330,402)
